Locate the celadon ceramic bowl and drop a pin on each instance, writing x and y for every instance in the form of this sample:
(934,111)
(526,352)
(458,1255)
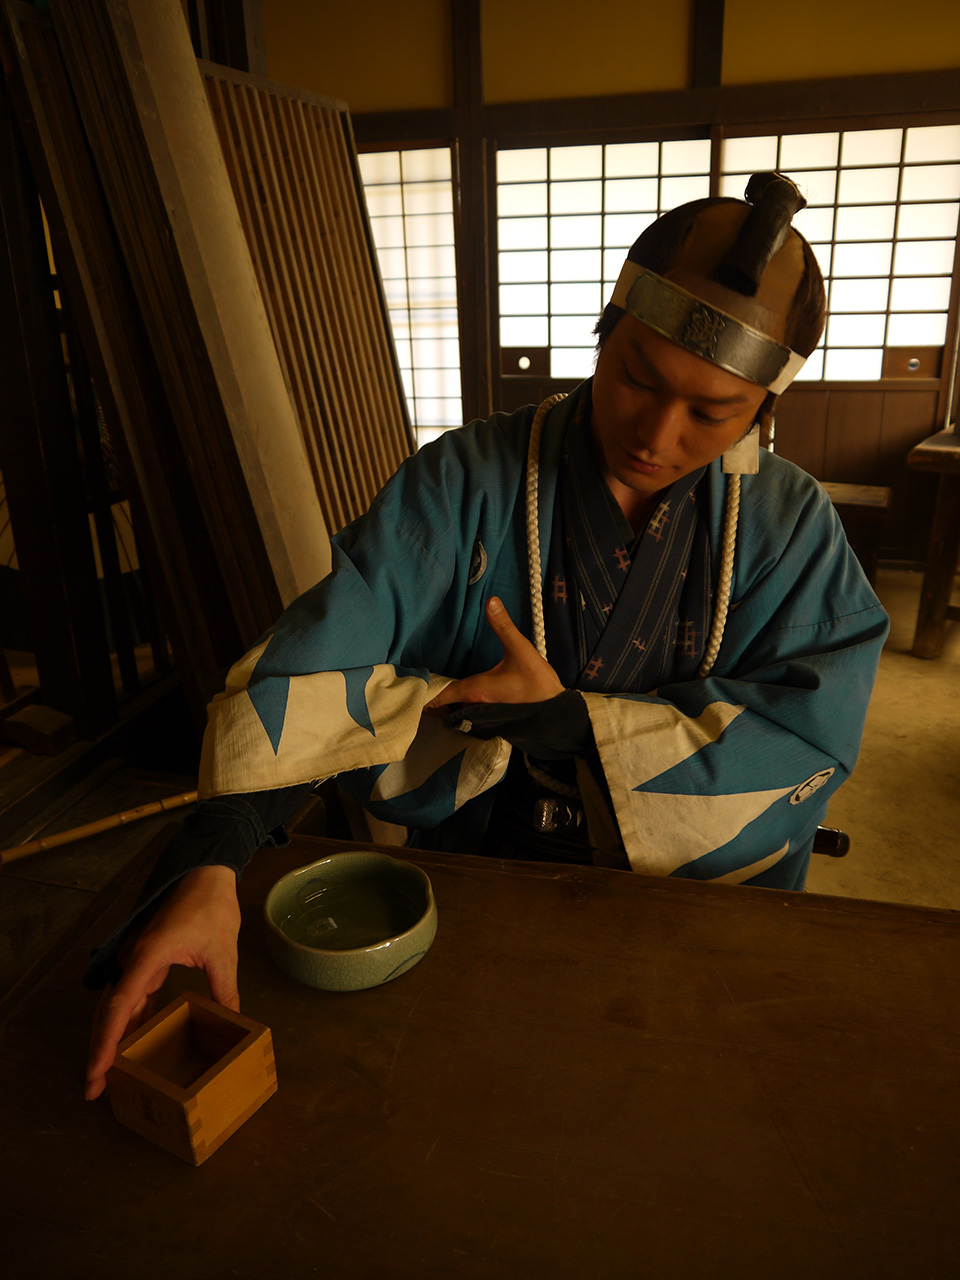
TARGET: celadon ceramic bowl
(350,921)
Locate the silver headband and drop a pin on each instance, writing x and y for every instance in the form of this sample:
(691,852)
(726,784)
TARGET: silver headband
(705,330)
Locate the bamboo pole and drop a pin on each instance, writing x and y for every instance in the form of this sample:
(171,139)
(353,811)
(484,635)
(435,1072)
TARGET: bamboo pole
(93,828)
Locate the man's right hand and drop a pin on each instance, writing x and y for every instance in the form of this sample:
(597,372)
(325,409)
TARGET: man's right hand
(197,926)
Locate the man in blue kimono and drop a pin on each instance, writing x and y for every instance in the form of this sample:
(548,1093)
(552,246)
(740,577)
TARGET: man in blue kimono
(603,630)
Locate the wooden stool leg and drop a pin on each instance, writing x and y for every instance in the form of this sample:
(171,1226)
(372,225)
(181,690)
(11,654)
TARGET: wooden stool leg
(942,556)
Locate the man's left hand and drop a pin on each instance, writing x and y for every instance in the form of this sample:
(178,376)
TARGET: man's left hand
(522,675)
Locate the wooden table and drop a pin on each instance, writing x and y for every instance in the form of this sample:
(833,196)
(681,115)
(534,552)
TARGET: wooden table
(591,1074)
(940,453)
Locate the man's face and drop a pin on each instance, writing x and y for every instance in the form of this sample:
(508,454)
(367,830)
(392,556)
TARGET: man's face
(660,412)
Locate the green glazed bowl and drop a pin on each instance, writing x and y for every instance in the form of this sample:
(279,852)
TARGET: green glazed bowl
(350,921)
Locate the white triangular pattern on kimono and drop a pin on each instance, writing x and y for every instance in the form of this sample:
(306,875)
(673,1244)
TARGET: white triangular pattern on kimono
(320,737)
(754,869)
(662,832)
(639,741)
(483,764)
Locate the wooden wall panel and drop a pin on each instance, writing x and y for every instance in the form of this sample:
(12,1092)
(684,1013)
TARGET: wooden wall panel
(908,418)
(852,444)
(292,165)
(801,428)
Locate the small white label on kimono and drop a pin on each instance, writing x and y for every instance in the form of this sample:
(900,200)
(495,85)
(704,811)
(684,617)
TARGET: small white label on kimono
(812,784)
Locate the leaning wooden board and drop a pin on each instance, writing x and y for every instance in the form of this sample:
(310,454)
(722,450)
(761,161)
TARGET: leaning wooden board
(591,1073)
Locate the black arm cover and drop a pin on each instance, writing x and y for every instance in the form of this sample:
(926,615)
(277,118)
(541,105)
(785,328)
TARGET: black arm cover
(226,832)
(556,729)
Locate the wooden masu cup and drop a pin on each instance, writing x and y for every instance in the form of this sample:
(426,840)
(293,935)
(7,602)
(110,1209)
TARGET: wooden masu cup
(192,1075)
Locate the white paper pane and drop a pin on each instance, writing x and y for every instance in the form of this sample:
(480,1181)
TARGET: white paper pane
(917,331)
(818,187)
(870,222)
(522,233)
(933,142)
(815,224)
(923,294)
(571,362)
(572,331)
(427,435)
(613,260)
(577,232)
(430,228)
(734,185)
(575,264)
(388,233)
(871,146)
(813,369)
(927,221)
(433,412)
(862,259)
(427,197)
(430,165)
(632,159)
(576,197)
(868,186)
(677,191)
(393,263)
(395,291)
(440,353)
(384,201)
(433,322)
(523,299)
(824,256)
(515,267)
(924,257)
(379,166)
(631,195)
(575,299)
(686,157)
(440,260)
(433,291)
(853,366)
(748,155)
(859,295)
(808,151)
(576,162)
(621,229)
(856,331)
(527,165)
(931,182)
(437,383)
(524,331)
(523,199)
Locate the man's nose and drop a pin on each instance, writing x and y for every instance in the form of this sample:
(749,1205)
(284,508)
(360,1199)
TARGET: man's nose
(659,429)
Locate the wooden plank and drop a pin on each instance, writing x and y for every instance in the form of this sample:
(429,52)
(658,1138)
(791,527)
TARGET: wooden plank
(943,555)
(852,442)
(908,417)
(801,428)
(162,168)
(939,452)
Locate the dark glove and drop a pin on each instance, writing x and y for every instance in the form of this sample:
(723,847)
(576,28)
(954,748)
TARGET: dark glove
(556,729)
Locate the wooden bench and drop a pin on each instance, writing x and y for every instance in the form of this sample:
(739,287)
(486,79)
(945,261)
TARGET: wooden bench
(940,453)
(862,509)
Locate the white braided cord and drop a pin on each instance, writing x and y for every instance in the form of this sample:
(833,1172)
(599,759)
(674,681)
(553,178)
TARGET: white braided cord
(536,572)
(533,523)
(725,584)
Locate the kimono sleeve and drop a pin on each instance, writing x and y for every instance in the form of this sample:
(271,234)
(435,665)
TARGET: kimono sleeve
(727,778)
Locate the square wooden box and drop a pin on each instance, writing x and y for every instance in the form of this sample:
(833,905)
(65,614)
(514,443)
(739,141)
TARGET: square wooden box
(192,1075)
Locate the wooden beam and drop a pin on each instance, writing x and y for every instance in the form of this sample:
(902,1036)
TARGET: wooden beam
(707,43)
(471,212)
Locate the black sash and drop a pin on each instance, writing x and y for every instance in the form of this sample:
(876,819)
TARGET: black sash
(623,613)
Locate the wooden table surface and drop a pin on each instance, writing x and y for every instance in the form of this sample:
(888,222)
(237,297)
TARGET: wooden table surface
(590,1074)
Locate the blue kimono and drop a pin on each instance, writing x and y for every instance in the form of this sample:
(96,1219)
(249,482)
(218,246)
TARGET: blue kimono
(722,778)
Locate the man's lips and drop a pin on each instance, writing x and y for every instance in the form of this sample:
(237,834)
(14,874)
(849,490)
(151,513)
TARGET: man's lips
(645,468)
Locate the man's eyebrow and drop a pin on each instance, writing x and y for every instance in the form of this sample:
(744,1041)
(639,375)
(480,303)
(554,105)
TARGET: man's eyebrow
(652,369)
